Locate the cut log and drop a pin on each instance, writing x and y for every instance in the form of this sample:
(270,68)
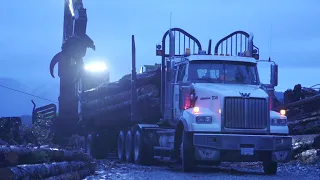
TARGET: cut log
(2,142)
(124,84)
(78,175)
(309,125)
(40,171)
(119,98)
(10,130)
(316,142)
(13,155)
(300,147)
(118,115)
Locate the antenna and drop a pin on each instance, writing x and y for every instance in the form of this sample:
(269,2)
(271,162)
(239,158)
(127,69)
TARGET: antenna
(270,42)
(170,19)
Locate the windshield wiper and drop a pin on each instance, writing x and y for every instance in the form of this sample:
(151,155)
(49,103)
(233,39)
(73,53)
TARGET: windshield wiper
(209,79)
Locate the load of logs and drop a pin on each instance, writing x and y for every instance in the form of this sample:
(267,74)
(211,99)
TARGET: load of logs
(25,153)
(307,149)
(17,162)
(109,104)
(303,110)
(10,130)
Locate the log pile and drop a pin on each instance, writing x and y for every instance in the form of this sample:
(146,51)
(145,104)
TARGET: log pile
(309,125)
(303,110)
(17,162)
(10,130)
(307,150)
(109,104)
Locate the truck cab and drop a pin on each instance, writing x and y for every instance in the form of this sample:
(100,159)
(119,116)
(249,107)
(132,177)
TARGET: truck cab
(228,91)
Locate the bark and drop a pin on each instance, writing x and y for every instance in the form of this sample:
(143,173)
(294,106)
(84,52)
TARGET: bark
(40,171)
(81,174)
(300,147)
(120,98)
(2,142)
(310,125)
(10,130)
(13,155)
(124,84)
(118,115)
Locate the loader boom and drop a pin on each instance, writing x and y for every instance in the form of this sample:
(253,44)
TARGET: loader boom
(75,41)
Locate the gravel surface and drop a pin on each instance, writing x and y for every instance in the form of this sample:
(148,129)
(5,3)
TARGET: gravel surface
(294,170)
(228,171)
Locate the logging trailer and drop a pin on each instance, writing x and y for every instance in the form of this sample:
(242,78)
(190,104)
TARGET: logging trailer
(212,107)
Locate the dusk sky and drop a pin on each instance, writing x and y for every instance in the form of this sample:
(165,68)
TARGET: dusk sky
(286,30)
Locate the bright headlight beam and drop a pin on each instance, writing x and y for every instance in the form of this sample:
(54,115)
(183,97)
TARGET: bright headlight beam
(96,67)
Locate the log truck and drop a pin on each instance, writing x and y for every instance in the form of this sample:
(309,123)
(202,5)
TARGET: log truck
(212,107)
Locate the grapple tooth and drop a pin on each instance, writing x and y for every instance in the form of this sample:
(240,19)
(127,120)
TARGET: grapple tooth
(54,61)
(89,42)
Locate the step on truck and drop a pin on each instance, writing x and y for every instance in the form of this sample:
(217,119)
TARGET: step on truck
(213,107)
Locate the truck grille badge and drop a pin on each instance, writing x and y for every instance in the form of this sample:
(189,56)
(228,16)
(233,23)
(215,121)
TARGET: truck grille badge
(245,95)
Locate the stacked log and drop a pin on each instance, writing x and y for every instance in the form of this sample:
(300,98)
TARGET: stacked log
(10,130)
(307,150)
(18,162)
(109,104)
(309,125)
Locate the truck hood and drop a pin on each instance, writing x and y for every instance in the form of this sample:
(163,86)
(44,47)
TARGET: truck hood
(204,90)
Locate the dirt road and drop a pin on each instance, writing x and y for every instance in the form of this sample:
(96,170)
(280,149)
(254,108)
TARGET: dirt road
(227,171)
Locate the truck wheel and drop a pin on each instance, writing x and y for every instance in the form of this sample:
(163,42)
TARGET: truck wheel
(129,147)
(270,167)
(137,148)
(187,153)
(121,146)
(142,150)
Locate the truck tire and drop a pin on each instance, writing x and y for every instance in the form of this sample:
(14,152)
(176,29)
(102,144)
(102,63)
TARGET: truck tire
(122,146)
(129,147)
(138,144)
(270,167)
(188,163)
(142,149)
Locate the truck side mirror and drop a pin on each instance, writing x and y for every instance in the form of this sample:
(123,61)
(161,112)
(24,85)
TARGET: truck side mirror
(274,74)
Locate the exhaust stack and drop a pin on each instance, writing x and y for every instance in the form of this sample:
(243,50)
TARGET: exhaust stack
(133,82)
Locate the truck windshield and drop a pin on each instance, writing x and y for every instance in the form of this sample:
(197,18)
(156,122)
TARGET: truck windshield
(232,72)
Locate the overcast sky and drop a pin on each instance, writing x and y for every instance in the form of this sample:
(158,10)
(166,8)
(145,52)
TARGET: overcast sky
(286,30)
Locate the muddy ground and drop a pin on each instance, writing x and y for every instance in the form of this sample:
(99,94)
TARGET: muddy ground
(307,167)
(228,171)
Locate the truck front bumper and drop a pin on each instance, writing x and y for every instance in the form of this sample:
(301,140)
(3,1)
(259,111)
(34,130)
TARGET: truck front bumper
(242,148)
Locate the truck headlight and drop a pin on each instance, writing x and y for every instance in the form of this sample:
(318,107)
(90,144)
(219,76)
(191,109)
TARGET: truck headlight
(204,119)
(278,122)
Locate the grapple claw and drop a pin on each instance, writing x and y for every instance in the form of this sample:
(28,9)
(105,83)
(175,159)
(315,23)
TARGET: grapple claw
(54,61)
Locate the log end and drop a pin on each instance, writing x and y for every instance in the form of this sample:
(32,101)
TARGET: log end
(6,173)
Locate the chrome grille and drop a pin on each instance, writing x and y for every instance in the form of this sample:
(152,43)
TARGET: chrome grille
(245,113)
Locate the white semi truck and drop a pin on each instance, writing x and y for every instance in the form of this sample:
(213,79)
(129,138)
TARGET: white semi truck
(214,107)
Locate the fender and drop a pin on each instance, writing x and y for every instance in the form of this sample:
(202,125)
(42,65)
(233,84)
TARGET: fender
(143,126)
(185,124)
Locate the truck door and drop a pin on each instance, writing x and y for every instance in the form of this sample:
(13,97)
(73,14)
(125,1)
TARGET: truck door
(179,76)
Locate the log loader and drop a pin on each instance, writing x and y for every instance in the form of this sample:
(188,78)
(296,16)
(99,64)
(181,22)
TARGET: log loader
(196,108)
